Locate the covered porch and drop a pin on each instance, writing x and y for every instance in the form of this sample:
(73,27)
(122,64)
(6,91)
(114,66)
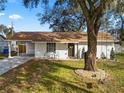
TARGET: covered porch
(21,48)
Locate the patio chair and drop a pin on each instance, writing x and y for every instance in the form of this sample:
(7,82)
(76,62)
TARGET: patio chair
(51,55)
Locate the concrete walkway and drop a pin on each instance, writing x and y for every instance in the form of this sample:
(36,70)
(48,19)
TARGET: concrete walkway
(10,63)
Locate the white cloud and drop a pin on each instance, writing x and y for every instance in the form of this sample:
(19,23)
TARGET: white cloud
(15,17)
(2,14)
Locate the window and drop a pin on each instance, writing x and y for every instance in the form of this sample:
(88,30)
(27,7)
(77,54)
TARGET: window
(51,47)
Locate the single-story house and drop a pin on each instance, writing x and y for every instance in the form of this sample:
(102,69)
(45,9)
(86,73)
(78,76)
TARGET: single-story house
(3,43)
(63,45)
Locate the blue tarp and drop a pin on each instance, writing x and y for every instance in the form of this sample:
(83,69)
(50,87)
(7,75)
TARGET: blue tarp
(5,51)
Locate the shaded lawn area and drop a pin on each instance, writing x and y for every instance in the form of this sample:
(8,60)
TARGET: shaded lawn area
(43,76)
(3,56)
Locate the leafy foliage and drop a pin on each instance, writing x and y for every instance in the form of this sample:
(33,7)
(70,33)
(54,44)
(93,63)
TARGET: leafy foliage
(7,32)
(2,4)
(118,14)
(34,3)
(62,17)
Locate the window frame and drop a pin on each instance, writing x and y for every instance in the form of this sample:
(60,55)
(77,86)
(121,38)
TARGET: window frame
(51,47)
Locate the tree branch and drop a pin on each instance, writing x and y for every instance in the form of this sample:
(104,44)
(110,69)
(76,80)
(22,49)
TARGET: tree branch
(84,8)
(98,11)
(97,25)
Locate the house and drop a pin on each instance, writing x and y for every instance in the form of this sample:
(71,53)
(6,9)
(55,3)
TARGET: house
(62,45)
(3,43)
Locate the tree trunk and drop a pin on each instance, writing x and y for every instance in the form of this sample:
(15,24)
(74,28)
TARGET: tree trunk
(121,30)
(122,25)
(92,16)
(90,55)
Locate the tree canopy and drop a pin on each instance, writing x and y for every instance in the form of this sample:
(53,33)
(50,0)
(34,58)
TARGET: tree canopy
(67,15)
(63,17)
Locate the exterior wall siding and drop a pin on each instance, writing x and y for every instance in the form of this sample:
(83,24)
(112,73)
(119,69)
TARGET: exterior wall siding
(103,47)
(62,50)
(14,46)
(30,48)
(40,49)
(78,49)
(3,44)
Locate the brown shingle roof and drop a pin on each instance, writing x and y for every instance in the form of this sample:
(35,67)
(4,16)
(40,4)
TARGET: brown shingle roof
(58,36)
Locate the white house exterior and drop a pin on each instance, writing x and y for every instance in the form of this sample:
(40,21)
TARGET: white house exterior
(64,45)
(3,43)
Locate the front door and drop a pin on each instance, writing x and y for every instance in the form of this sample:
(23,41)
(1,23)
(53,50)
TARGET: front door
(22,48)
(71,49)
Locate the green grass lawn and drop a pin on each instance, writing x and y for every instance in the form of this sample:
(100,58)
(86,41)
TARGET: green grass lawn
(43,76)
(3,56)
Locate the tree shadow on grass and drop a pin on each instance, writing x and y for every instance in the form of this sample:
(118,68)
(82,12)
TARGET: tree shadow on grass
(58,65)
(50,80)
(65,85)
(39,71)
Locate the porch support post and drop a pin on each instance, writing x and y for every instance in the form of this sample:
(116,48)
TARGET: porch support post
(77,50)
(9,49)
(17,49)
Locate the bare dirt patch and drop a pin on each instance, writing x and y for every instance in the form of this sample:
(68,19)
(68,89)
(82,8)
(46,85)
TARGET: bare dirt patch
(93,75)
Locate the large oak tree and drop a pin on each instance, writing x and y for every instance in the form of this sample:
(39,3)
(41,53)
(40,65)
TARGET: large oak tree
(93,11)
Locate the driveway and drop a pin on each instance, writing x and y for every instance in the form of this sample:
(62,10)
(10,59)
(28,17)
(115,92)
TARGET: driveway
(10,63)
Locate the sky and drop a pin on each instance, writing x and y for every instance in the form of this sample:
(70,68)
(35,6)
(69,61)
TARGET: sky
(23,19)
